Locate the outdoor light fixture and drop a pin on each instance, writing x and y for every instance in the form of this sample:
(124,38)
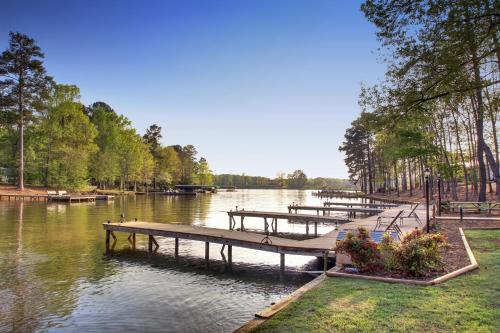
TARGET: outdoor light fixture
(439,193)
(427,173)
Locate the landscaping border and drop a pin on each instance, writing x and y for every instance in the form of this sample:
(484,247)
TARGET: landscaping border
(262,316)
(472,266)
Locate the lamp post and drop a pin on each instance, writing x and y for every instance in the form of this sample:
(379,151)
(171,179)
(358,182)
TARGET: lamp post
(427,173)
(439,193)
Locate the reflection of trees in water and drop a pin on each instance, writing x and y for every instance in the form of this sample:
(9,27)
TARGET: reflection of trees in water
(52,250)
(166,209)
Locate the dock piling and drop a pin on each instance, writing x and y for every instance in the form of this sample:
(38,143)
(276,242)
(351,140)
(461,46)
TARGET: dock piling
(207,253)
(229,256)
(176,248)
(282,262)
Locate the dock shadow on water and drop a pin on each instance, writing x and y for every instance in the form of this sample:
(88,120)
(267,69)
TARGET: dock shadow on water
(55,277)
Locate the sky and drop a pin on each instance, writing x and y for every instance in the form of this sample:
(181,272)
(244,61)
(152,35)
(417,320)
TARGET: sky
(257,86)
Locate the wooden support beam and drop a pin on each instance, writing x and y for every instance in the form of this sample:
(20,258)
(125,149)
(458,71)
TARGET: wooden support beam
(176,248)
(108,234)
(150,244)
(133,240)
(282,262)
(230,256)
(315,229)
(307,228)
(325,261)
(207,253)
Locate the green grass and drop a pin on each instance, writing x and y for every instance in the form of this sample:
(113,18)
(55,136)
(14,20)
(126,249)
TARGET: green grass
(469,303)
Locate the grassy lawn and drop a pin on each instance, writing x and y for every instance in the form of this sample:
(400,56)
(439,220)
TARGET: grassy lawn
(469,303)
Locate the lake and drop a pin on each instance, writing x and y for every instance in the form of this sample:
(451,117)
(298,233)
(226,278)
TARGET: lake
(55,276)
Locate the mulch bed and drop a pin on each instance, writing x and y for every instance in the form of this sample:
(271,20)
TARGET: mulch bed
(455,257)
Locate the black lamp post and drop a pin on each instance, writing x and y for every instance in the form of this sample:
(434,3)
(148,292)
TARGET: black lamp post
(427,173)
(439,193)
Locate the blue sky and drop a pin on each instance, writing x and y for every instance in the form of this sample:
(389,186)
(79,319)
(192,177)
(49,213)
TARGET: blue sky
(257,86)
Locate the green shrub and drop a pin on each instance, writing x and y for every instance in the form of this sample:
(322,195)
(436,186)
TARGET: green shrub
(388,248)
(419,253)
(364,252)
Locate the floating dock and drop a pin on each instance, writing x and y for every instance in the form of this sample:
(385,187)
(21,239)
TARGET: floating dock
(275,216)
(318,247)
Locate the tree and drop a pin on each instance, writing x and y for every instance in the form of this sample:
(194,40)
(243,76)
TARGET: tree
(68,138)
(441,52)
(104,167)
(23,85)
(189,164)
(297,179)
(152,137)
(205,176)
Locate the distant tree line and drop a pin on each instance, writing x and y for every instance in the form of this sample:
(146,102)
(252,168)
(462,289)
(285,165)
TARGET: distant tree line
(294,180)
(52,139)
(438,107)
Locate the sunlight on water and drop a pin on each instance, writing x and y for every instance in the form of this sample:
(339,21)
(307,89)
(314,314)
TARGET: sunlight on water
(54,275)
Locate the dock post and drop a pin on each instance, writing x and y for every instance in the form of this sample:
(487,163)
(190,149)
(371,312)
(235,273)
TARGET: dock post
(230,222)
(108,234)
(307,228)
(282,263)
(230,256)
(150,244)
(133,240)
(207,253)
(176,248)
(242,227)
(325,261)
(316,229)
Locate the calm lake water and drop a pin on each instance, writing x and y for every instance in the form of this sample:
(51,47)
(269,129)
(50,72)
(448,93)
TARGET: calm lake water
(54,275)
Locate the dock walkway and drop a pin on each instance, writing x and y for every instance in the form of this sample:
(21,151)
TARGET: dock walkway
(350,210)
(358,204)
(275,216)
(317,247)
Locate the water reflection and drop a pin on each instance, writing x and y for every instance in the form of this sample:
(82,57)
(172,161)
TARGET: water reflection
(54,274)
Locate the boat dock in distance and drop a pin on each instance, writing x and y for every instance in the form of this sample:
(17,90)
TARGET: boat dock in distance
(350,210)
(275,216)
(318,247)
(358,204)
(55,198)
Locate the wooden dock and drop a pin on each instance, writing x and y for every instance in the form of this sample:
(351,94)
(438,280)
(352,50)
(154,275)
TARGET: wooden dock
(55,198)
(24,197)
(351,211)
(359,204)
(275,216)
(318,247)
(338,194)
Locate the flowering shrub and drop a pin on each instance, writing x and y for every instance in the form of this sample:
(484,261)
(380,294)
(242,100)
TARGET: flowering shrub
(387,248)
(419,253)
(363,250)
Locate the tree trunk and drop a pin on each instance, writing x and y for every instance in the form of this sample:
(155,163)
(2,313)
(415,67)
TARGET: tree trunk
(20,170)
